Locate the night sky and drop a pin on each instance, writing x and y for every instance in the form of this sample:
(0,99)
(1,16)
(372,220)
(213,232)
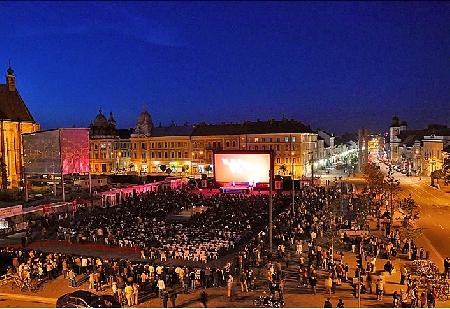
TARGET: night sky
(337,66)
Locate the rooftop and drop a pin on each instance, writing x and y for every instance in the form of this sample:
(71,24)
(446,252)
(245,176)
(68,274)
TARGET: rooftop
(12,106)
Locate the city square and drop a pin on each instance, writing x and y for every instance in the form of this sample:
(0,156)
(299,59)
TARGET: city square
(188,163)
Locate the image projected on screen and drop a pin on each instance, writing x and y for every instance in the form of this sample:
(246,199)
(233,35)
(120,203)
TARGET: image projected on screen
(239,167)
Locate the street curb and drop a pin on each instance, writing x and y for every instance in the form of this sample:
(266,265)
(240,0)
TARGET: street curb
(29,298)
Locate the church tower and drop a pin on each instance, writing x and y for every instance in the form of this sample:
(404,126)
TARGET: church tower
(10,79)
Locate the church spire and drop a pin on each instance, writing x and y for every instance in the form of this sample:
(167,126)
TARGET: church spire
(10,79)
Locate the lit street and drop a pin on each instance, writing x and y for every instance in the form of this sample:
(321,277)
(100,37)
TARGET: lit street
(435,211)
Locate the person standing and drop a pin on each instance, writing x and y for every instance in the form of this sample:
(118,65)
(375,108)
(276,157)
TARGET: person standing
(423,299)
(313,283)
(173,298)
(91,281)
(161,286)
(230,285)
(72,281)
(204,299)
(328,285)
(165,299)
(243,281)
(135,293)
(403,274)
(340,303)
(327,303)
(129,295)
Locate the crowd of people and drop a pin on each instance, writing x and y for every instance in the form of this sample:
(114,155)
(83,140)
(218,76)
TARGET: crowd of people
(231,226)
(143,222)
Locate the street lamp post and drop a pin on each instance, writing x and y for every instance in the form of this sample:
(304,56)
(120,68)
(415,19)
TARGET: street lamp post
(293,184)
(270,210)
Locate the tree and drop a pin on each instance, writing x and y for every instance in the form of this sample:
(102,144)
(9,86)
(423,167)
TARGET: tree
(331,209)
(4,174)
(410,211)
(168,171)
(375,183)
(283,168)
(162,167)
(208,168)
(185,168)
(391,190)
(446,171)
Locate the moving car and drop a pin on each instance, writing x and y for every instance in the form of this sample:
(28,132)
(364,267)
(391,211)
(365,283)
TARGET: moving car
(86,299)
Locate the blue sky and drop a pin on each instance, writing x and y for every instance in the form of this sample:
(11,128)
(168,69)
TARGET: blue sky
(338,66)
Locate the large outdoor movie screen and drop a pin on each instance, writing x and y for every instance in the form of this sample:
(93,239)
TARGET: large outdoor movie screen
(242,167)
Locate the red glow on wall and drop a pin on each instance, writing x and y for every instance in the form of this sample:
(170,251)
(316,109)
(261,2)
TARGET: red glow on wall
(75,151)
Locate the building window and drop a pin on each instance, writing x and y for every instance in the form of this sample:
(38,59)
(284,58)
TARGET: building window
(293,139)
(286,160)
(166,155)
(173,155)
(143,146)
(227,144)
(278,160)
(256,139)
(165,144)
(286,139)
(96,155)
(153,154)
(270,139)
(293,160)
(256,147)
(144,155)
(278,139)
(278,147)
(234,144)
(219,144)
(159,145)
(185,154)
(214,144)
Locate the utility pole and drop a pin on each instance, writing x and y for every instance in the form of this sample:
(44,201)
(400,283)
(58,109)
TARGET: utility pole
(293,185)
(270,210)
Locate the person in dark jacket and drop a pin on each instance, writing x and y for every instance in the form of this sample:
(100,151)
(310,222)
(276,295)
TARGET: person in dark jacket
(204,299)
(327,304)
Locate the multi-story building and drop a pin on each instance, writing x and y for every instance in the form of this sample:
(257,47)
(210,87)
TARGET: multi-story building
(418,152)
(154,150)
(189,149)
(15,119)
(109,147)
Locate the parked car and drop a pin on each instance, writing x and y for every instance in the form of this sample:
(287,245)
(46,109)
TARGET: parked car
(86,299)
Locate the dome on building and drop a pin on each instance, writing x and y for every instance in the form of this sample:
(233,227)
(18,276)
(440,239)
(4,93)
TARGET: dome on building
(100,120)
(395,121)
(144,123)
(102,126)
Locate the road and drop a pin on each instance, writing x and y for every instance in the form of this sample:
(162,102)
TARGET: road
(434,211)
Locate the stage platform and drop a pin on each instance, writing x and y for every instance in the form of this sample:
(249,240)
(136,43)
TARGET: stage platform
(235,190)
